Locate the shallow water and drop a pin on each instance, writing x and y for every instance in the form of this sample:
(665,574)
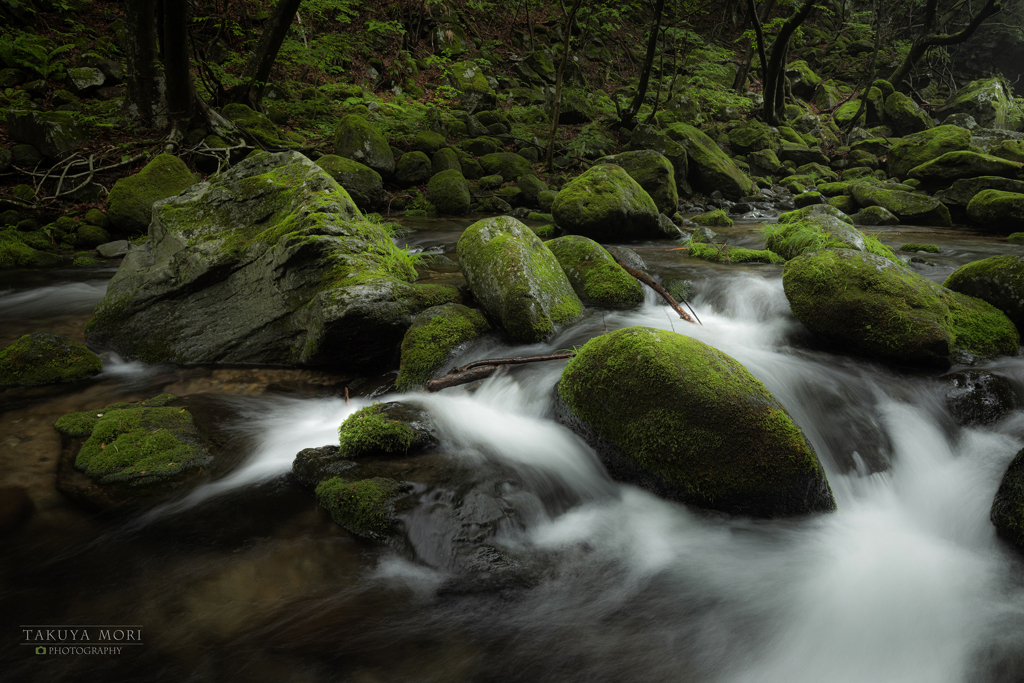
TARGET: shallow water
(246,579)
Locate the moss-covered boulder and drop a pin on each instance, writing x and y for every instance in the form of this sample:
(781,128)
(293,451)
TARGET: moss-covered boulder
(820,230)
(754,136)
(911,151)
(874,215)
(882,309)
(653,172)
(606,204)
(91,236)
(645,137)
(130,202)
(15,253)
(449,192)
(594,274)
(432,339)
(530,187)
(43,358)
(909,207)
(55,134)
(710,168)
(516,278)
(716,219)
(384,430)
(363,184)
(952,166)
(509,166)
(987,100)
(364,507)
(999,280)
(259,127)
(1008,505)
(997,211)
(732,255)
(429,142)
(1009,149)
(356,139)
(906,115)
(413,168)
(802,78)
(446,160)
(468,78)
(688,422)
(269,262)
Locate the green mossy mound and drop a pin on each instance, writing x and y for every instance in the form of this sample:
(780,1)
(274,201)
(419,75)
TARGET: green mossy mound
(432,338)
(130,202)
(43,358)
(1009,149)
(929,248)
(710,168)
(413,168)
(383,430)
(468,79)
(806,212)
(1008,505)
(594,275)
(449,193)
(91,236)
(732,255)
(653,172)
(606,204)
(999,280)
(429,142)
(362,183)
(509,166)
(911,151)
(356,139)
(716,219)
(364,507)
(952,166)
(881,309)
(754,136)
(997,211)
(516,278)
(820,231)
(909,207)
(874,215)
(961,192)
(14,253)
(906,115)
(688,422)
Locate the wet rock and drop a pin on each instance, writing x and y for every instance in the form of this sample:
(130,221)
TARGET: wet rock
(686,421)
(432,339)
(653,172)
(364,507)
(999,280)
(987,101)
(979,397)
(1008,505)
(709,167)
(113,249)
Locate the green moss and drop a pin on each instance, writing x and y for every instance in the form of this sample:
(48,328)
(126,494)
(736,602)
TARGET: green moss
(14,253)
(43,358)
(734,255)
(549,231)
(430,340)
(803,212)
(84,262)
(997,209)
(449,192)
(694,418)
(367,432)
(914,150)
(605,203)
(141,444)
(363,507)
(717,218)
(594,275)
(911,246)
(999,280)
(1015,238)
(130,202)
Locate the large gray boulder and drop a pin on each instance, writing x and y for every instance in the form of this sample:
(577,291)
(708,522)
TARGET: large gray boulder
(54,133)
(688,422)
(516,278)
(606,204)
(653,172)
(268,263)
(988,101)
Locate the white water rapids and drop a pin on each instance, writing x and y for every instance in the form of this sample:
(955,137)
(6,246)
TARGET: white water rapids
(905,582)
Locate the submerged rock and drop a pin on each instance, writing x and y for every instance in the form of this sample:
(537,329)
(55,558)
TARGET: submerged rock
(268,263)
(594,275)
(42,358)
(364,507)
(606,204)
(688,422)
(516,278)
(432,338)
(882,309)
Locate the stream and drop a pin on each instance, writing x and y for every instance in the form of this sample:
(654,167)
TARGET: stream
(245,578)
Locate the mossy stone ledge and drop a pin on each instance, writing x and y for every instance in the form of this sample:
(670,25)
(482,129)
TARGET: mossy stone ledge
(688,422)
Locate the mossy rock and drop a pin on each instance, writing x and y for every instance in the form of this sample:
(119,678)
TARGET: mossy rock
(803,78)
(716,219)
(1007,512)
(550,231)
(809,211)
(881,309)
(258,126)
(509,166)
(604,203)
(356,139)
(91,235)
(645,137)
(986,100)
(445,160)
(480,146)
(911,151)
(364,507)
(732,255)
(594,275)
(997,211)
(754,136)
(54,134)
(516,279)
(653,172)
(449,193)
(84,262)
(929,248)
(530,186)
(874,215)
(941,172)
(816,230)
(1009,149)
(909,207)
(432,339)
(362,183)
(468,78)
(906,115)
(97,218)
(385,430)
(807,199)
(130,202)
(413,168)
(429,142)
(688,422)
(844,203)
(43,358)
(710,168)
(999,280)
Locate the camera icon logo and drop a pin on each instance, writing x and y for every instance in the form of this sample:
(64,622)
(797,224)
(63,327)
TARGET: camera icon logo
(41,650)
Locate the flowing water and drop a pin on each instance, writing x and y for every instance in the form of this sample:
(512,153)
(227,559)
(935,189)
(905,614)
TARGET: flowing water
(246,579)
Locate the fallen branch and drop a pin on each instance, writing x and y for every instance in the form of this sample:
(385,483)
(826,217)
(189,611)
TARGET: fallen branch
(646,279)
(481,369)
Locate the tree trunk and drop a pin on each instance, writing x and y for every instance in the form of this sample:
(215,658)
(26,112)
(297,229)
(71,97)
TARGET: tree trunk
(874,65)
(176,72)
(645,73)
(257,69)
(557,103)
(741,76)
(776,71)
(140,53)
